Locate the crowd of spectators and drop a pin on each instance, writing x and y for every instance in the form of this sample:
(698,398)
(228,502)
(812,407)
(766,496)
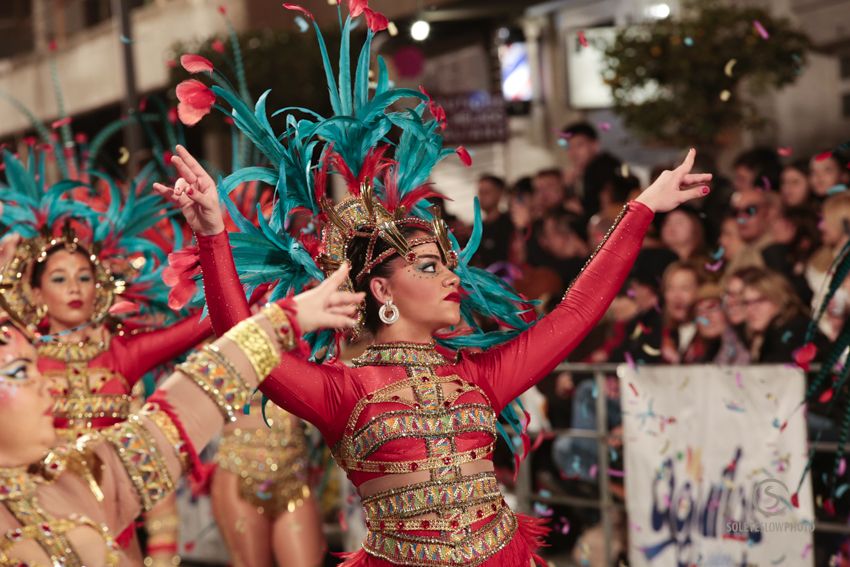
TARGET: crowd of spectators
(731,279)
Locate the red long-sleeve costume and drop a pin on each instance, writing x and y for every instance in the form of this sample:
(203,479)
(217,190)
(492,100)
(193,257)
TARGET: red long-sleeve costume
(405,409)
(92,385)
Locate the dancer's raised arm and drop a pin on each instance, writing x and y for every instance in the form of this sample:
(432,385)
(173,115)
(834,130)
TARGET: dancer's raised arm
(512,368)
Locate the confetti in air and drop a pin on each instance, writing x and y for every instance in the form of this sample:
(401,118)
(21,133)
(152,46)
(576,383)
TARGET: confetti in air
(725,95)
(582,39)
(785,151)
(730,65)
(302,24)
(760,29)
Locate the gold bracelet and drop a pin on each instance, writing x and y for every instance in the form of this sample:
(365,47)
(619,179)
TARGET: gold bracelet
(256,345)
(142,460)
(282,327)
(214,374)
(167,427)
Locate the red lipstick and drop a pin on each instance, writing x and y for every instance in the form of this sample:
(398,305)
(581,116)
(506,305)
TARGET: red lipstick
(76,304)
(453,296)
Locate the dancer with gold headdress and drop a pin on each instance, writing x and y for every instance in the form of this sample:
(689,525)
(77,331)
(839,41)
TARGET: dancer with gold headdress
(66,505)
(68,281)
(412,424)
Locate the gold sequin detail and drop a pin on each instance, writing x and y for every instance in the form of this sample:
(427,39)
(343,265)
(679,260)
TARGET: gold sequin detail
(271,463)
(142,460)
(282,327)
(214,374)
(256,345)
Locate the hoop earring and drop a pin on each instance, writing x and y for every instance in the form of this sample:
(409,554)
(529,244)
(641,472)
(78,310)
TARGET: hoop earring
(388,313)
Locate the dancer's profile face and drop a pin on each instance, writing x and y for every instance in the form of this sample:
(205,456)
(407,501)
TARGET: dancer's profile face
(425,291)
(67,289)
(26,407)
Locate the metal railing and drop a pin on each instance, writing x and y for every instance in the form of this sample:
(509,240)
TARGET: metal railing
(527,497)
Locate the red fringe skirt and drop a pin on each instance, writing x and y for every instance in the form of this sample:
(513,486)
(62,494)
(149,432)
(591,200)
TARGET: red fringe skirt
(521,550)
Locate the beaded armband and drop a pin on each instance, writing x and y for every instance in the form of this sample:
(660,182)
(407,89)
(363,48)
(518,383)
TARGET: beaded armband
(282,328)
(169,430)
(257,346)
(141,457)
(216,376)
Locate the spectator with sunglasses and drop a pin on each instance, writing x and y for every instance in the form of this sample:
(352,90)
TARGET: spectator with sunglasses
(753,210)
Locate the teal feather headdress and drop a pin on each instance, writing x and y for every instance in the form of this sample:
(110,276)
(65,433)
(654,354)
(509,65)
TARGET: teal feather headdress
(384,154)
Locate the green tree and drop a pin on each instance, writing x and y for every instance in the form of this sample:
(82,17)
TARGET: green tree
(689,81)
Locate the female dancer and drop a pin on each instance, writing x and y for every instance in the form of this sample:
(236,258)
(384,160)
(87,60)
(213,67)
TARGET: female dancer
(413,428)
(66,290)
(65,506)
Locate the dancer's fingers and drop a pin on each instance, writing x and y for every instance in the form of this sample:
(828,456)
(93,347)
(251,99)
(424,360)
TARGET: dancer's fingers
(184,170)
(193,164)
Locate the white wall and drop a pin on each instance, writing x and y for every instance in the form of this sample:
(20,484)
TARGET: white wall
(90,67)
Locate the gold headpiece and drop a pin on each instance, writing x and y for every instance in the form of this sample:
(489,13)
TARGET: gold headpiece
(365,216)
(16,294)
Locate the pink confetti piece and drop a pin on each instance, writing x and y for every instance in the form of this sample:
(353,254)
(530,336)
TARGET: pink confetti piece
(785,151)
(630,361)
(806,550)
(633,389)
(582,39)
(605,126)
(842,466)
(592,472)
(738,380)
(715,266)
(616,473)
(760,29)
(61,122)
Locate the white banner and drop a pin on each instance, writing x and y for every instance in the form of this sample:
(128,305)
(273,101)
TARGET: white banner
(710,469)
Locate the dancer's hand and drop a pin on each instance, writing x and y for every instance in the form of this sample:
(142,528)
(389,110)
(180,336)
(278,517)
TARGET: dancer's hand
(326,307)
(195,193)
(672,188)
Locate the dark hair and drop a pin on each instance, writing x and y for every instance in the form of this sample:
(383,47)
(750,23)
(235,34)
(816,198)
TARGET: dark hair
(621,187)
(566,221)
(807,236)
(495,180)
(580,129)
(550,172)
(801,165)
(765,163)
(522,186)
(39,268)
(357,249)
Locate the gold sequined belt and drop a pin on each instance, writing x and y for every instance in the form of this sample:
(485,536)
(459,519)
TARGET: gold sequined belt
(458,548)
(435,496)
(95,406)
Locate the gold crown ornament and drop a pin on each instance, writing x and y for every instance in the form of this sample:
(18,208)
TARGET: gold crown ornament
(16,294)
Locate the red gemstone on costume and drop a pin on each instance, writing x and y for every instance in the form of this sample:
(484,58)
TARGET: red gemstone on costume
(414,466)
(426,524)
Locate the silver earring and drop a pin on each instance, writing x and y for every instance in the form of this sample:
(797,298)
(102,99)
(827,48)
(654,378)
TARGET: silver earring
(388,313)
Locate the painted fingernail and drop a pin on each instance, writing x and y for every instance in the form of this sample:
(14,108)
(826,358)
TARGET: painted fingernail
(190,191)
(706,190)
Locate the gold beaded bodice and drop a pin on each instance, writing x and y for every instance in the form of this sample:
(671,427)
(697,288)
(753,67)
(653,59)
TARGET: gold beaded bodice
(19,495)
(87,396)
(434,422)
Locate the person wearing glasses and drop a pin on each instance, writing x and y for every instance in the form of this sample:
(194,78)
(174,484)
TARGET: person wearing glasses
(753,211)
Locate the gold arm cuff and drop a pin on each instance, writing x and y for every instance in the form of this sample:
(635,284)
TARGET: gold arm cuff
(256,345)
(282,327)
(217,377)
(167,427)
(142,460)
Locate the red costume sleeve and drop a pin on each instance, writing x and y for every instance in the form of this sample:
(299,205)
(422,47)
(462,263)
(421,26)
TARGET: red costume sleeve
(139,354)
(506,371)
(305,389)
